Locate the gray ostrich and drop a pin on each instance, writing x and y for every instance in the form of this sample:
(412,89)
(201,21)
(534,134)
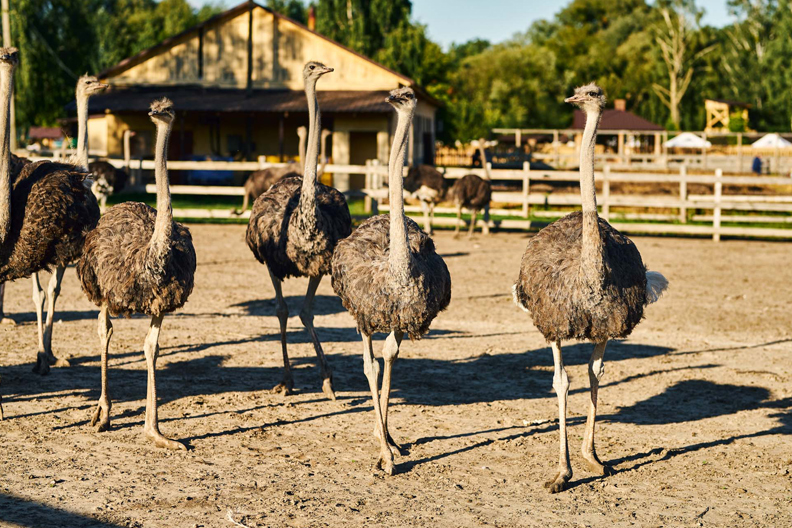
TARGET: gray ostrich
(474,193)
(582,279)
(44,216)
(429,186)
(138,260)
(391,279)
(294,228)
(108,180)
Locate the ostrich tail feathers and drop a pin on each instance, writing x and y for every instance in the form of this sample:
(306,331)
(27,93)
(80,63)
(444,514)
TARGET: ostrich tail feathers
(516,298)
(656,285)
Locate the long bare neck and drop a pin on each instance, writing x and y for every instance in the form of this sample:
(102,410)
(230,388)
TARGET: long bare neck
(163,225)
(301,151)
(308,193)
(592,241)
(399,258)
(6,80)
(82,131)
(484,165)
(323,154)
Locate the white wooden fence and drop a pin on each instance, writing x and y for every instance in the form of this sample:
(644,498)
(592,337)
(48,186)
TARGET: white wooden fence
(520,205)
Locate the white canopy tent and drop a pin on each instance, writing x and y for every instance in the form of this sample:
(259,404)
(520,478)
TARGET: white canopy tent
(771,141)
(687,140)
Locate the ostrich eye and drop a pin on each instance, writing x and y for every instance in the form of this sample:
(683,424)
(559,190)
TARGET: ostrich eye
(409,96)
(593,94)
(312,67)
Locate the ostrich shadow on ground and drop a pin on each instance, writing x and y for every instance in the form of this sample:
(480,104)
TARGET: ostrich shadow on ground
(323,305)
(27,513)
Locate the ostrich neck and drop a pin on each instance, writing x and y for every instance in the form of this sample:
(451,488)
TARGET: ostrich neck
(5,156)
(399,258)
(591,257)
(82,131)
(308,193)
(163,225)
(484,165)
(301,152)
(323,155)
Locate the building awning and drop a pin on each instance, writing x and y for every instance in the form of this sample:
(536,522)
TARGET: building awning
(772,140)
(687,140)
(45,133)
(613,119)
(197,99)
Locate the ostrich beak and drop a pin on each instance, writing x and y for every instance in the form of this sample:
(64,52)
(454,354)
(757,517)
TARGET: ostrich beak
(326,69)
(577,98)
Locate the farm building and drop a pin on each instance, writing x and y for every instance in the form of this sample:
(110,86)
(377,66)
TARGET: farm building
(236,81)
(625,125)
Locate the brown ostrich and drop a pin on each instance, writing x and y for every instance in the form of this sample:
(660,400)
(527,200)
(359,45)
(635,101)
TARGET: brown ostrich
(138,260)
(43,220)
(391,279)
(474,193)
(294,228)
(260,181)
(108,180)
(582,279)
(429,186)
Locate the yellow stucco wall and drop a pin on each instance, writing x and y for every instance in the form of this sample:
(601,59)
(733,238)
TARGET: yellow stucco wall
(280,50)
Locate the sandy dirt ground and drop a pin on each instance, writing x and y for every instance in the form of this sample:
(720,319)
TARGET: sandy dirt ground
(695,407)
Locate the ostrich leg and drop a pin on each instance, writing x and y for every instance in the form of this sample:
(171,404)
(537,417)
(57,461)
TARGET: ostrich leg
(596,370)
(485,230)
(53,291)
(371,369)
(151,349)
(389,354)
(3,318)
(427,221)
(42,361)
(306,316)
(102,413)
(284,387)
(245,200)
(459,219)
(561,387)
(472,223)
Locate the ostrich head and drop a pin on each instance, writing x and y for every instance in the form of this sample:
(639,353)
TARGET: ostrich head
(313,70)
(589,98)
(9,57)
(162,111)
(402,99)
(88,85)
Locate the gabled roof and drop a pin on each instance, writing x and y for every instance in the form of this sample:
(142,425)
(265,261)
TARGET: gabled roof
(226,15)
(200,99)
(613,119)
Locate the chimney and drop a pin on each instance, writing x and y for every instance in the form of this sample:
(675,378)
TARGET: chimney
(620,104)
(311,18)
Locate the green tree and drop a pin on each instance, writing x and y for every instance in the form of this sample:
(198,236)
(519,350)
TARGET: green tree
(293,9)
(362,25)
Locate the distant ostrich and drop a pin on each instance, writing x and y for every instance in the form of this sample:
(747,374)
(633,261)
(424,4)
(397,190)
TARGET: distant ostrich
(294,228)
(43,220)
(582,279)
(260,181)
(474,193)
(428,185)
(138,260)
(108,180)
(391,279)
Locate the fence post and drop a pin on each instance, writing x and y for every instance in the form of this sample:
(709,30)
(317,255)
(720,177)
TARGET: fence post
(127,152)
(487,207)
(526,208)
(367,188)
(716,215)
(704,153)
(556,152)
(606,193)
(683,196)
(740,150)
(376,185)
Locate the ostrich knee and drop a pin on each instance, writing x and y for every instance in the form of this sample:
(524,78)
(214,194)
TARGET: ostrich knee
(561,383)
(371,369)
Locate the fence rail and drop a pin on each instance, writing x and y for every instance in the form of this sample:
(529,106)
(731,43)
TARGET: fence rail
(520,205)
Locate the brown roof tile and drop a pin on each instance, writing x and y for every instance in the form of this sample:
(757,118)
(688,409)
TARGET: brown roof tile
(617,120)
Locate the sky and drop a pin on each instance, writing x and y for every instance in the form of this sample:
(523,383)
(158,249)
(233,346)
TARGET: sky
(496,20)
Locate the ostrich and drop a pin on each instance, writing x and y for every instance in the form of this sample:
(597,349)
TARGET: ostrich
(107,180)
(294,228)
(260,181)
(428,185)
(43,221)
(473,192)
(138,260)
(391,279)
(582,279)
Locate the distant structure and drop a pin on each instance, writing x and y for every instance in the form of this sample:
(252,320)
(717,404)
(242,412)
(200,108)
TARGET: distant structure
(237,78)
(719,112)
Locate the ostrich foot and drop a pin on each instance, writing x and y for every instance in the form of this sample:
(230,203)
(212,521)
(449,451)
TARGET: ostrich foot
(385,463)
(558,483)
(42,366)
(57,362)
(161,441)
(597,467)
(327,388)
(101,416)
(284,388)
(395,448)
(7,321)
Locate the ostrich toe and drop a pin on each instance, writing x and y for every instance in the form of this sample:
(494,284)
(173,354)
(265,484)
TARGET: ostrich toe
(285,388)
(327,388)
(101,416)
(42,366)
(558,483)
(162,441)
(385,463)
(595,466)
